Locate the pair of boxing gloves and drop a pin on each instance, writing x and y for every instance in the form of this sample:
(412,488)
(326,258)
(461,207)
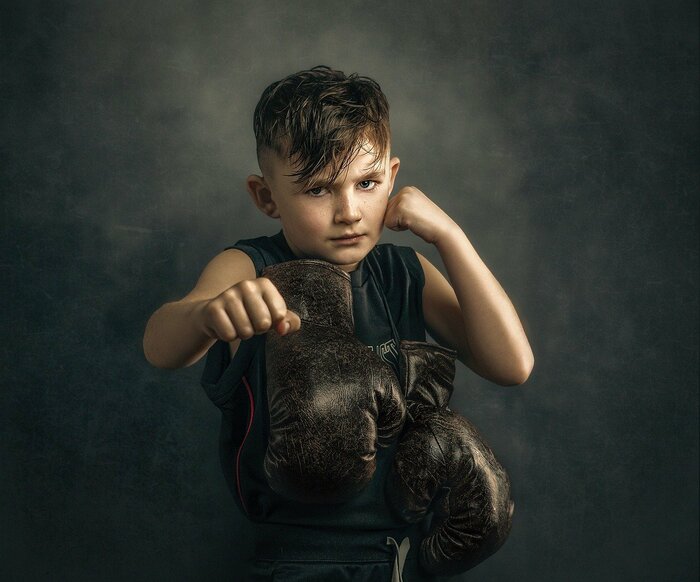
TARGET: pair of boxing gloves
(332,402)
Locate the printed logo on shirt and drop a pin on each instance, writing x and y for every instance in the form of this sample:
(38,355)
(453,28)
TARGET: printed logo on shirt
(387,352)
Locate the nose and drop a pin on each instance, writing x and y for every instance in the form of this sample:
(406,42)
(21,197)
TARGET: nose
(347,208)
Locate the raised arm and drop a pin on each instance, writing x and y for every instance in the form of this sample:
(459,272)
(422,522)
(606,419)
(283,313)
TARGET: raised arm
(471,312)
(228,303)
(475,317)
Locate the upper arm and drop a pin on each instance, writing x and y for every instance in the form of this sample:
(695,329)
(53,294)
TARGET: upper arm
(442,314)
(223,271)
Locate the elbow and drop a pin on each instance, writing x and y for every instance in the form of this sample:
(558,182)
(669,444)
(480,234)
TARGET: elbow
(150,351)
(161,358)
(156,361)
(521,374)
(149,355)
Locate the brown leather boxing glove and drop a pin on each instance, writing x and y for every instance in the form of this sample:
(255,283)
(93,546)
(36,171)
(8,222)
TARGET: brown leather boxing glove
(331,400)
(442,464)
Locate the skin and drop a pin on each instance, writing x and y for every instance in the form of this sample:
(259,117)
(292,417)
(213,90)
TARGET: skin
(314,215)
(470,313)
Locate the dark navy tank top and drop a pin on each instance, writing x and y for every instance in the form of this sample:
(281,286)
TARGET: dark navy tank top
(389,277)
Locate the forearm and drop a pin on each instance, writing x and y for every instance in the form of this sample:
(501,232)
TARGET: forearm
(173,337)
(497,344)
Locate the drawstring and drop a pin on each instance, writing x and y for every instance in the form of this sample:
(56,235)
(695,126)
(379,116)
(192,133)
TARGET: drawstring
(400,558)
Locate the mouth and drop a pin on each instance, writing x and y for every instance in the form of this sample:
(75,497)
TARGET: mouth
(348,237)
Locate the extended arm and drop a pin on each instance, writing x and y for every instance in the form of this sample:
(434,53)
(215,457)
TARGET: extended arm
(228,303)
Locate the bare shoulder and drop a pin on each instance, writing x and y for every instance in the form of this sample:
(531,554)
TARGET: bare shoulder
(223,271)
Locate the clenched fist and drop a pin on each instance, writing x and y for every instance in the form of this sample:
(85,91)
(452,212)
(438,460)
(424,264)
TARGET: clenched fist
(410,209)
(248,308)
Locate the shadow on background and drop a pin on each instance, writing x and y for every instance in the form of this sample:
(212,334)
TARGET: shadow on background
(561,137)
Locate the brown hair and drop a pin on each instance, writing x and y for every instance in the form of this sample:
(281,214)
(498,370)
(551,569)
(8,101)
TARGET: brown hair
(320,118)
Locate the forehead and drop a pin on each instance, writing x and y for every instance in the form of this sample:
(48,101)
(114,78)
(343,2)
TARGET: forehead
(364,161)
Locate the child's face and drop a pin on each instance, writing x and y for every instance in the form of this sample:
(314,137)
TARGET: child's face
(315,216)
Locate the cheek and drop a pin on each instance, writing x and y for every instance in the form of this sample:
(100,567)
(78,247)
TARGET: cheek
(311,220)
(377,206)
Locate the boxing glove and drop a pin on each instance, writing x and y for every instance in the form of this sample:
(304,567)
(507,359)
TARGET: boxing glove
(332,401)
(442,464)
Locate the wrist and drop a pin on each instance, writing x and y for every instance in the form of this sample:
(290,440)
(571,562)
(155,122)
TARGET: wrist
(195,312)
(450,233)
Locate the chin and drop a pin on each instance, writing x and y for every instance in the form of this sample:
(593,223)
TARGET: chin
(343,256)
(346,261)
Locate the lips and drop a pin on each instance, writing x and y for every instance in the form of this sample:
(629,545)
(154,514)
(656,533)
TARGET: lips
(347,236)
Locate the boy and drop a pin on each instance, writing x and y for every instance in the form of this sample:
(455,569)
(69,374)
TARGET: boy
(323,146)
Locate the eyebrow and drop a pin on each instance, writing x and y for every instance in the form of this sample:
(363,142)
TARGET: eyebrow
(367,175)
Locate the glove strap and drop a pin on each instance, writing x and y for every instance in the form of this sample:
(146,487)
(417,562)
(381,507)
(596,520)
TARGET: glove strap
(400,558)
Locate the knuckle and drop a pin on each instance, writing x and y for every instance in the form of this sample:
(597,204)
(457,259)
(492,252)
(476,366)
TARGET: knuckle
(268,286)
(245,332)
(227,335)
(213,311)
(278,308)
(221,328)
(261,329)
(230,294)
(246,286)
(262,324)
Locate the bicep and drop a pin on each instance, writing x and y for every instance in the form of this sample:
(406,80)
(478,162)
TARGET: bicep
(441,311)
(223,271)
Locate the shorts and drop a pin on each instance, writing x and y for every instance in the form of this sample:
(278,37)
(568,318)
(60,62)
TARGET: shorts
(298,554)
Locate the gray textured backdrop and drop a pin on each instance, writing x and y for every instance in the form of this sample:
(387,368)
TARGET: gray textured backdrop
(562,137)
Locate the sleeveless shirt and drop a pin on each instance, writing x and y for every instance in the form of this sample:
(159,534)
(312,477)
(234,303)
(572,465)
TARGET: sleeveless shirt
(237,387)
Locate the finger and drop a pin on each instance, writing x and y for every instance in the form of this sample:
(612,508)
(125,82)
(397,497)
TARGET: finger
(294,322)
(274,301)
(238,313)
(393,222)
(392,217)
(389,218)
(290,323)
(258,312)
(283,320)
(220,325)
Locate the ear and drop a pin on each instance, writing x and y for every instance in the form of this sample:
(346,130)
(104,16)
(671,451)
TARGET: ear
(394,164)
(262,195)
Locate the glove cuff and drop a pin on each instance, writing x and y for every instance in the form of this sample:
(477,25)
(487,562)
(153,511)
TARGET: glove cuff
(302,283)
(428,373)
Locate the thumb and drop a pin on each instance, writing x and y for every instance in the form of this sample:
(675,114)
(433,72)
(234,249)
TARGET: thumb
(392,217)
(394,223)
(290,323)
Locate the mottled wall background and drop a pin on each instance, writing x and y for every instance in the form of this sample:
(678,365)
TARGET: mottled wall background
(562,136)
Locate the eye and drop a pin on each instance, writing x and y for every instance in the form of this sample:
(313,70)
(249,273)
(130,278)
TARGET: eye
(316,192)
(365,184)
